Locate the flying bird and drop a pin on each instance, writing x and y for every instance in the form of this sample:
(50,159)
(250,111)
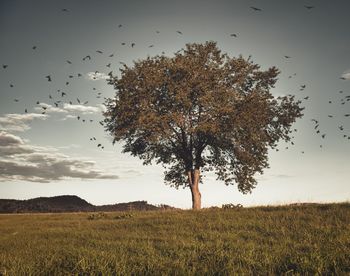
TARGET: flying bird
(287,56)
(63,94)
(48,78)
(150,46)
(69,62)
(34,47)
(256,9)
(179,32)
(99,51)
(87,57)
(64,10)
(306,98)
(108,65)
(67,82)
(16,100)
(78,100)
(79,75)
(111,55)
(234,35)
(309,7)
(11,85)
(4,66)
(86,102)
(25,111)
(120,25)
(132,45)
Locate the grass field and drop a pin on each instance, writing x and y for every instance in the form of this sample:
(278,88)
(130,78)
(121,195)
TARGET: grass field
(254,241)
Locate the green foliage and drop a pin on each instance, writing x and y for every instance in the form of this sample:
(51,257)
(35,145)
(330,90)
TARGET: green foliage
(200,109)
(299,240)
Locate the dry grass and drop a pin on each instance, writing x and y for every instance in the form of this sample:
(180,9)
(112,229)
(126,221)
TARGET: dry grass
(254,241)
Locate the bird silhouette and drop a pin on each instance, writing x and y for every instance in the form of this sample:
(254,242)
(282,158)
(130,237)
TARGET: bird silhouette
(79,75)
(179,32)
(87,57)
(11,85)
(64,10)
(306,98)
(287,56)
(123,43)
(108,65)
(256,9)
(86,102)
(132,45)
(330,116)
(71,76)
(4,66)
(69,62)
(34,47)
(50,96)
(120,25)
(16,100)
(67,82)
(150,46)
(347,115)
(78,100)
(99,51)
(78,117)
(99,145)
(48,78)
(25,110)
(234,35)
(111,55)
(309,7)
(63,94)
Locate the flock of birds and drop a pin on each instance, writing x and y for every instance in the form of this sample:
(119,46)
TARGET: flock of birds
(63,95)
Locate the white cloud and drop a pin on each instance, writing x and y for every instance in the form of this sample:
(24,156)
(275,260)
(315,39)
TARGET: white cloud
(19,122)
(95,76)
(85,109)
(346,75)
(49,108)
(22,161)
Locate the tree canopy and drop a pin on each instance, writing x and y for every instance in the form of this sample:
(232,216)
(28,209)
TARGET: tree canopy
(200,110)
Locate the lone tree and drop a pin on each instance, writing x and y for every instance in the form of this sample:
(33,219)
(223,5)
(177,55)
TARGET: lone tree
(200,110)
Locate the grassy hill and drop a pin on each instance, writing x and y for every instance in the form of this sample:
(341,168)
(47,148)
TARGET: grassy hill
(69,203)
(310,239)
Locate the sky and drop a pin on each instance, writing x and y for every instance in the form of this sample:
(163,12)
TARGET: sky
(52,154)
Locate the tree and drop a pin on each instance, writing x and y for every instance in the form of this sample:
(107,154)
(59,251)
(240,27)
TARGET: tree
(200,111)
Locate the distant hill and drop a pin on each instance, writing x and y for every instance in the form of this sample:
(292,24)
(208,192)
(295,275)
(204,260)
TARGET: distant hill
(69,203)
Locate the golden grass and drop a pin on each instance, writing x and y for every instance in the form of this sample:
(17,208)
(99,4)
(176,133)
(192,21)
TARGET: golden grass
(254,241)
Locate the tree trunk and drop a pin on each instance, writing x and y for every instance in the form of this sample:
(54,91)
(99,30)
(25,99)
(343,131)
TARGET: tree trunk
(193,181)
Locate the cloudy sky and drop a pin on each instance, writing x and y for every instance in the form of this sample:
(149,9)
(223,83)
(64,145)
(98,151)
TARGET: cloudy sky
(45,150)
